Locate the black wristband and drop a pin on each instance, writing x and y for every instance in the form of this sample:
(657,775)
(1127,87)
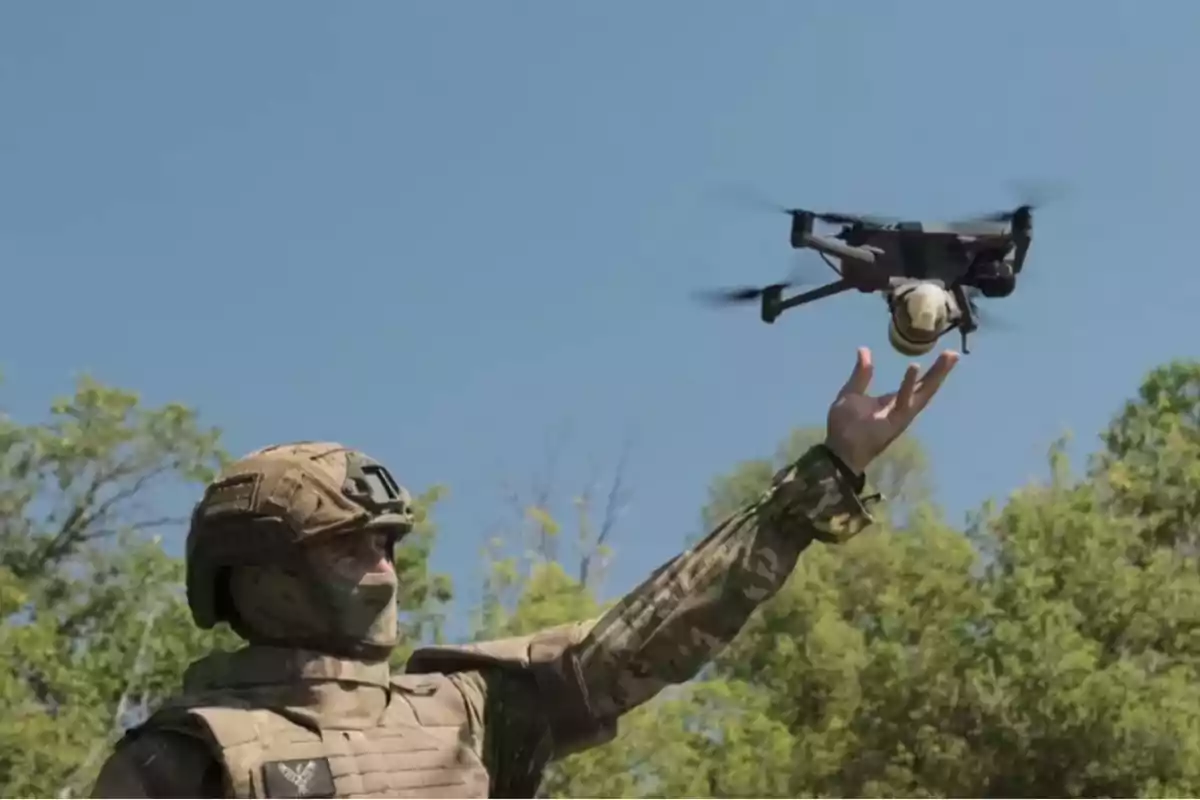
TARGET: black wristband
(856,480)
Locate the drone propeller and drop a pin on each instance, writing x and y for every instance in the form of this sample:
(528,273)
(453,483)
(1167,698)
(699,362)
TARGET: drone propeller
(1007,216)
(805,273)
(750,198)
(739,294)
(1032,197)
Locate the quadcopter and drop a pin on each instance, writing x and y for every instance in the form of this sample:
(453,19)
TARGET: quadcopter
(929,273)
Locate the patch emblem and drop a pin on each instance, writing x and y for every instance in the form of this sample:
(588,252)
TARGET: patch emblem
(236,495)
(302,777)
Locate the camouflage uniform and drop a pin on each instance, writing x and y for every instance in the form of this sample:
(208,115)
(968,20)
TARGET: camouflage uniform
(309,708)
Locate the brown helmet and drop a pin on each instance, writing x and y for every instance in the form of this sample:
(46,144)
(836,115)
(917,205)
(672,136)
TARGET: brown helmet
(262,507)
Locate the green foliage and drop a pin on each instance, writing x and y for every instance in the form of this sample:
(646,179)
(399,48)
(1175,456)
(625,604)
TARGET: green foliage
(1150,461)
(1050,651)
(1051,648)
(95,628)
(526,590)
(525,587)
(423,596)
(901,475)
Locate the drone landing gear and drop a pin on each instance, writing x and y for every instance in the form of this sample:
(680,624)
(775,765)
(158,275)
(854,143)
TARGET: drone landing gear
(967,322)
(773,303)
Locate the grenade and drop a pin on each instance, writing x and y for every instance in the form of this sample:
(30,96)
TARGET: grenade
(920,314)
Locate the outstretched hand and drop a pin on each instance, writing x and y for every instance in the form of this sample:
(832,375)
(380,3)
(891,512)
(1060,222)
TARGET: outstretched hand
(860,427)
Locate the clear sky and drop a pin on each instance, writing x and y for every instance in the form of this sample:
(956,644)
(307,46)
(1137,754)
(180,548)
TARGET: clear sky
(448,233)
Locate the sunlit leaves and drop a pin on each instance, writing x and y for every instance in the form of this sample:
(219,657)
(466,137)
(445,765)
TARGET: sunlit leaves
(1151,456)
(95,627)
(1050,649)
(423,595)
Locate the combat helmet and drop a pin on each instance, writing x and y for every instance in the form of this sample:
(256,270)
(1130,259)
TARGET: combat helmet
(263,508)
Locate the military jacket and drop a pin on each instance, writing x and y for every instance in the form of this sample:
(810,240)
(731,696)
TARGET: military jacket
(292,724)
(477,720)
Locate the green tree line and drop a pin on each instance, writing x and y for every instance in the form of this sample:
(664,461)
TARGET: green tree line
(1049,648)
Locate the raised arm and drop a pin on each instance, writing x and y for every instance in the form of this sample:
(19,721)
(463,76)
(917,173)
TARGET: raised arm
(665,630)
(589,674)
(688,610)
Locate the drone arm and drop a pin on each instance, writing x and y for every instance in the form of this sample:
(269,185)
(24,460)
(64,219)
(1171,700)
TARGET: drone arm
(832,247)
(773,303)
(1019,251)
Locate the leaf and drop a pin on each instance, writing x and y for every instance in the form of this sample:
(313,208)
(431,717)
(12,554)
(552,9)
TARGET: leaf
(543,520)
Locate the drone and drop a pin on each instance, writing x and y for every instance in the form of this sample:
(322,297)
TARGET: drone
(930,273)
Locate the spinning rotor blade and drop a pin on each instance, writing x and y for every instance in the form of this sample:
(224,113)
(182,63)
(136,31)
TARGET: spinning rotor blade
(740,294)
(804,274)
(1005,216)
(1032,196)
(747,197)
(752,199)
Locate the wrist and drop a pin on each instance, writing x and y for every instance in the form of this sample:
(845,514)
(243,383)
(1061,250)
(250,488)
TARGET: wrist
(817,493)
(854,474)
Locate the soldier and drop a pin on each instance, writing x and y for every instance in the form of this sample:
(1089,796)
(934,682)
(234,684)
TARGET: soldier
(292,546)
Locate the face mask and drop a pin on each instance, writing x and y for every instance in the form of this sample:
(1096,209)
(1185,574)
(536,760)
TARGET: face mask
(306,605)
(363,612)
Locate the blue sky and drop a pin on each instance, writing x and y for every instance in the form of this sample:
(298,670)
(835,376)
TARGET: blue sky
(452,234)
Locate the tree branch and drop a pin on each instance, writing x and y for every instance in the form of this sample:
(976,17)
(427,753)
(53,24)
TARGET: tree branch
(99,747)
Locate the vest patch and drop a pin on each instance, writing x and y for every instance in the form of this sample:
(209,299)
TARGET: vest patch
(301,777)
(416,747)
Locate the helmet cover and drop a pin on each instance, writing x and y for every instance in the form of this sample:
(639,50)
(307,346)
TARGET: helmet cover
(258,544)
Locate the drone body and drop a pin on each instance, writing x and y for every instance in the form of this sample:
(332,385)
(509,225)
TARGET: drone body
(927,272)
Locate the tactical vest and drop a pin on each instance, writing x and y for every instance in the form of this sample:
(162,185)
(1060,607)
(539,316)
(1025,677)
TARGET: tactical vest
(416,739)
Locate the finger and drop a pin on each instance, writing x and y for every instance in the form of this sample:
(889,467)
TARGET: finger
(860,378)
(885,404)
(908,388)
(929,384)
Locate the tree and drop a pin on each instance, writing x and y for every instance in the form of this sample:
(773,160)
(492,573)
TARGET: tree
(901,475)
(1090,649)
(1065,666)
(423,595)
(1050,649)
(717,736)
(1054,647)
(95,629)
(525,585)
(1151,455)
(526,588)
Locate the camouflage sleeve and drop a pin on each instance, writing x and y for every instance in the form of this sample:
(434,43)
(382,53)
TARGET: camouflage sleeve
(562,689)
(160,763)
(685,613)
